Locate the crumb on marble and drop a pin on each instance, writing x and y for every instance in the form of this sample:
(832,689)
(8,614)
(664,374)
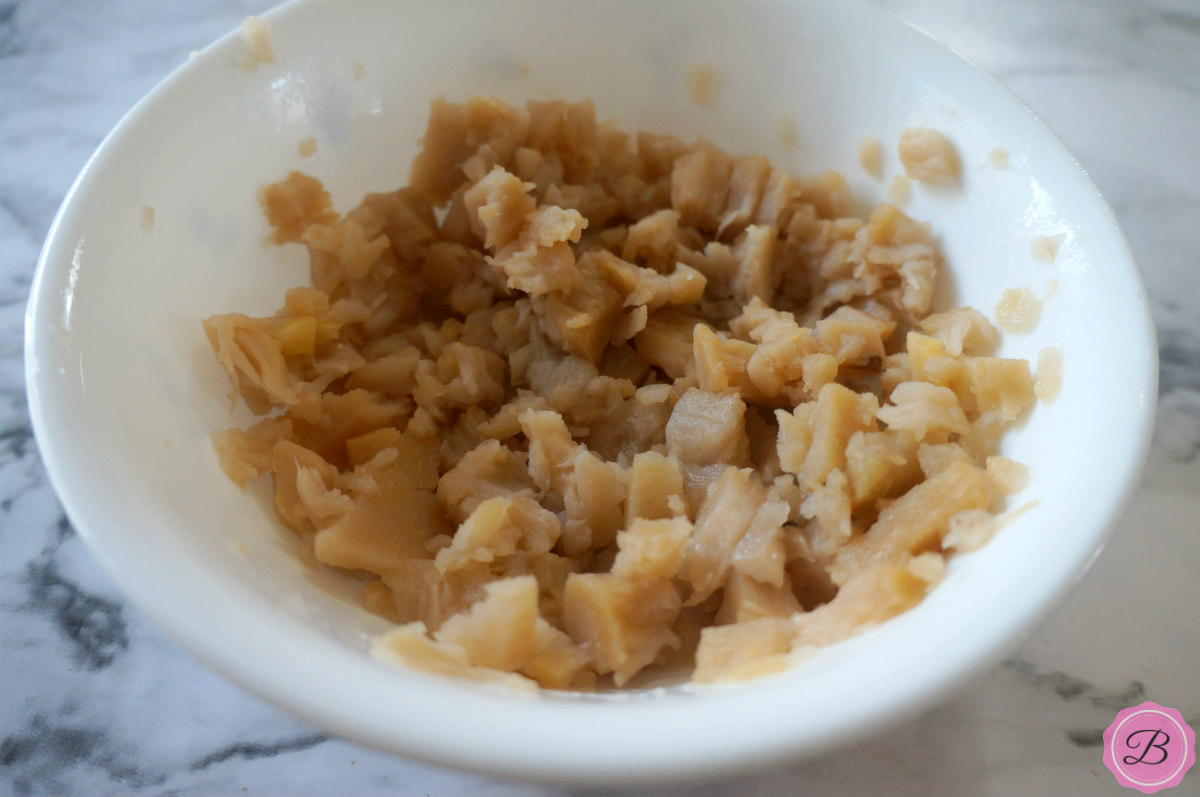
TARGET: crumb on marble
(701,80)
(898,191)
(525,70)
(238,547)
(785,131)
(998,157)
(147,218)
(1045,247)
(307,147)
(870,156)
(1018,310)
(256,35)
(357,71)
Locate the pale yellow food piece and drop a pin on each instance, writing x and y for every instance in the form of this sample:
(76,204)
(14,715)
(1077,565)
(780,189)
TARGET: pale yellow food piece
(666,342)
(256,36)
(745,598)
(651,549)
(700,187)
(779,197)
(936,457)
(387,527)
(870,156)
(730,503)
(760,552)
(295,204)
(645,287)
(924,409)
(930,362)
(916,521)
(147,218)
(870,596)
(1002,386)
(880,464)
(254,361)
(998,157)
(962,331)
(725,649)
(1045,247)
(702,84)
(498,206)
(246,454)
(500,630)
(928,156)
(489,470)
(595,497)
(930,566)
(581,406)
(1018,310)
(969,530)
(1048,383)
(707,433)
(496,529)
(1007,475)
(893,247)
(899,190)
(828,507)
(834,417)
(307,147)
(551,449)
(409,646)
(583,319)
(654,240)
(721,364)
(655,487)
(853,336)
(621,625)
(559,663)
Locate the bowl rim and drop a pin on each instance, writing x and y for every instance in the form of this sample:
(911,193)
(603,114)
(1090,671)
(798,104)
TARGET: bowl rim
(291,639)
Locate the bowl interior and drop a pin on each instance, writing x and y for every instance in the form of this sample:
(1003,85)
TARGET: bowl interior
(125,392)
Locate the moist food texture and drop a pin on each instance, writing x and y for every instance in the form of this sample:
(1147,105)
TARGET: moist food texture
(580,406)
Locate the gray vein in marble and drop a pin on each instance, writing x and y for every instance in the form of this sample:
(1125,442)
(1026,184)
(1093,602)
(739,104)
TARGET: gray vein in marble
(94,625)
(248,751)
(9,45)
(40,750)
(1179,360)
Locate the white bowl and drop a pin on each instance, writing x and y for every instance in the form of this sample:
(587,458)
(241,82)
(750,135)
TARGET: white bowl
(124,391)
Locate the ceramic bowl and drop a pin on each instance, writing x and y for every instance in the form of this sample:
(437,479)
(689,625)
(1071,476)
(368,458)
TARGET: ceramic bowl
(124,391)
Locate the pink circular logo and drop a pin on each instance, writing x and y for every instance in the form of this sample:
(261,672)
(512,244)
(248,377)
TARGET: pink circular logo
(1149,747)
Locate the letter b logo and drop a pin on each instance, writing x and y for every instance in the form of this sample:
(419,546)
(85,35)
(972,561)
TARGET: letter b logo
(1149,747)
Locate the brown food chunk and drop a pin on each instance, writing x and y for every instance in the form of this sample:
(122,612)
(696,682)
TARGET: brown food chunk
(916,521)
(706,433)
(579,406)
(700,187)
(729,507)
(725,651)
(622,625)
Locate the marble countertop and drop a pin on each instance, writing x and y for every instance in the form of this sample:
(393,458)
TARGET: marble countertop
(95,700)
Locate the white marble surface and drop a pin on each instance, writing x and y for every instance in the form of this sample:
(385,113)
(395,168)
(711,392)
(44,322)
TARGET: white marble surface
(94,700)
